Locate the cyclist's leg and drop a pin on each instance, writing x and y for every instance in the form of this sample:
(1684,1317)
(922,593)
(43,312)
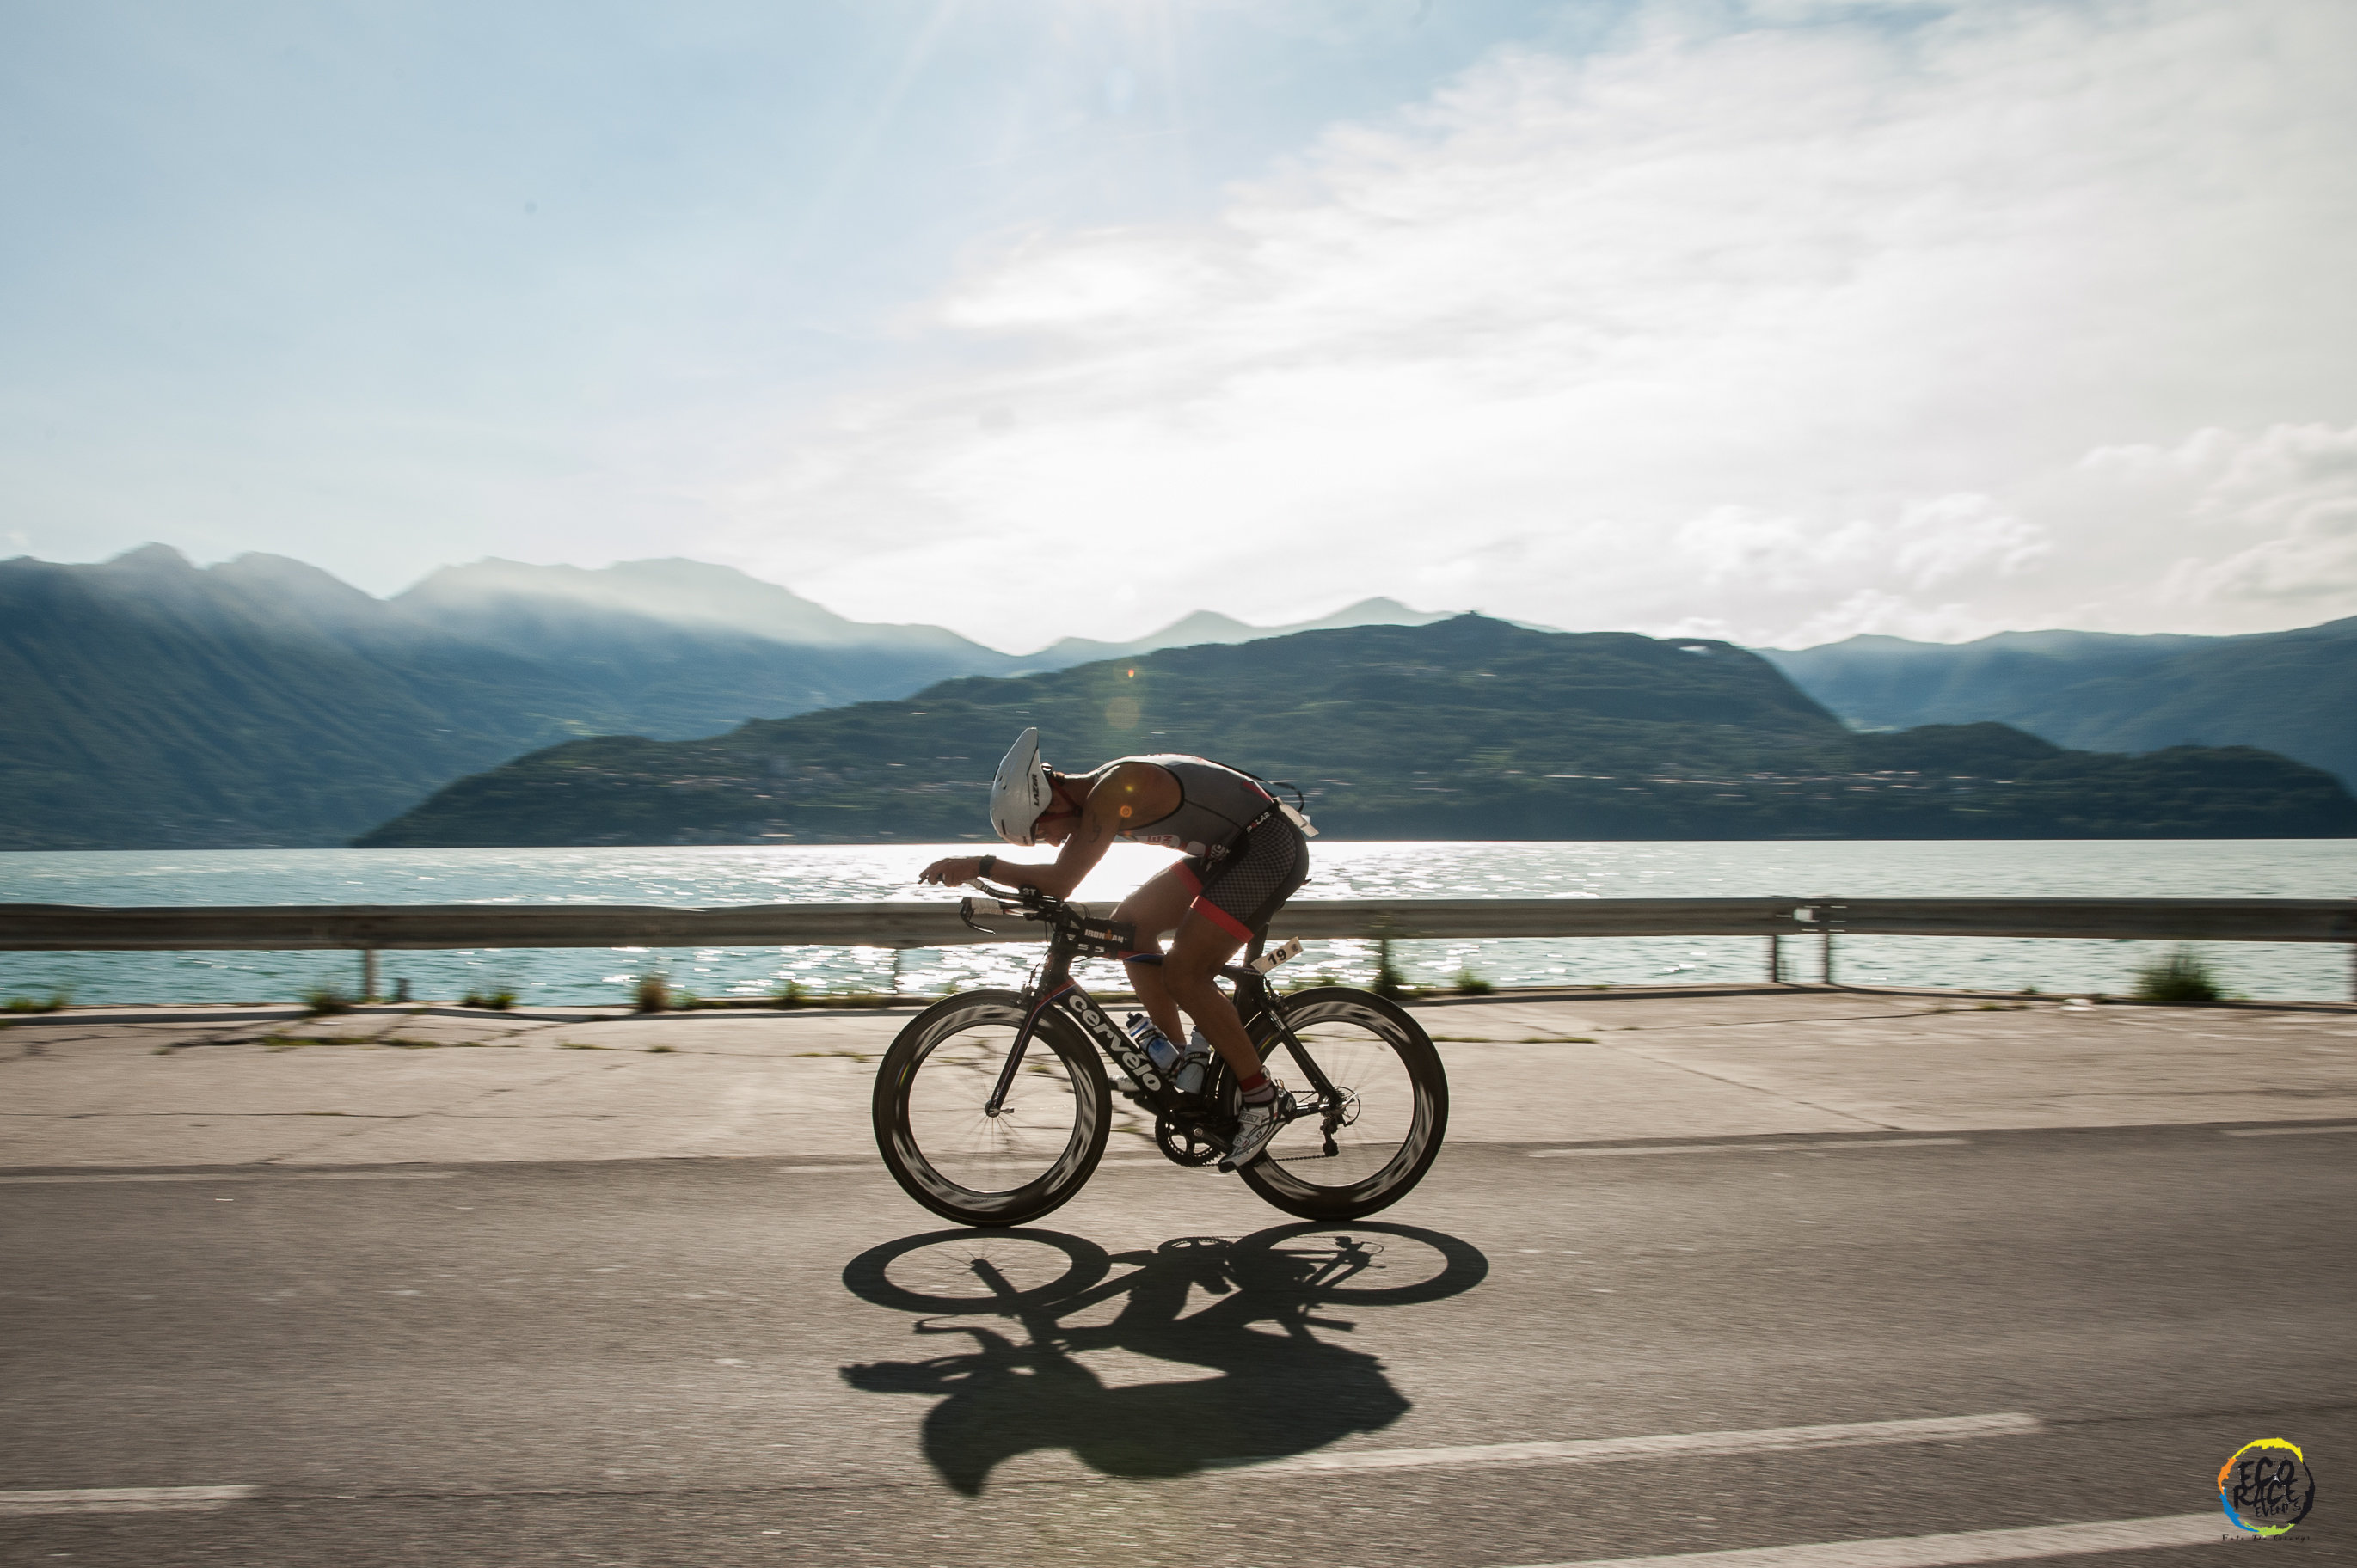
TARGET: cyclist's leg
(1188,976)
(1240,895)
(1159,904)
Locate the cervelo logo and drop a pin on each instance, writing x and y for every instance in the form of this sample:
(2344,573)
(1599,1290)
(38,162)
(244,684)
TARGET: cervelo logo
(1125,1049)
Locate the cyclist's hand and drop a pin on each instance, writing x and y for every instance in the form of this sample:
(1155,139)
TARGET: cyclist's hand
(950,873)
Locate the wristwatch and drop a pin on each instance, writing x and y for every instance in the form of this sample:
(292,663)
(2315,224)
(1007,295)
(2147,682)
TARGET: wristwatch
(985,865)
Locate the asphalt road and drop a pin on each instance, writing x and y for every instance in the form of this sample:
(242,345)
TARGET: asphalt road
(742,1362)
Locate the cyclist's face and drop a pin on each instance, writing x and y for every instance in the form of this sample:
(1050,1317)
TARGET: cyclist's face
(1062,815)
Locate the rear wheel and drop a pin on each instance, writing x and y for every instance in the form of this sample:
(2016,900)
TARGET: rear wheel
(949,1153)
(1368,1144)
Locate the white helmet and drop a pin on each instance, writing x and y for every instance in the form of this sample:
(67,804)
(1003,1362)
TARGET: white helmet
(1019,795)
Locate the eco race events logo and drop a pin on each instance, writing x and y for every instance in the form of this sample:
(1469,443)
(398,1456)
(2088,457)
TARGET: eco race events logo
(2266,1488)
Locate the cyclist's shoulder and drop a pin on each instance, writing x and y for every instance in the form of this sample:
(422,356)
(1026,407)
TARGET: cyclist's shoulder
(1138,779)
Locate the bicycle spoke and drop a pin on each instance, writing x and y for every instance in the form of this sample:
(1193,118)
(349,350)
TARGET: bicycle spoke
(949,1124)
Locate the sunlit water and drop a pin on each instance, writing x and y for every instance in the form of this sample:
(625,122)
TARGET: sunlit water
(694,877)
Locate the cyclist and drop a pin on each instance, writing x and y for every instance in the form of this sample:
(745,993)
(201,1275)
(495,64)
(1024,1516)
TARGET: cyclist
(1246,854)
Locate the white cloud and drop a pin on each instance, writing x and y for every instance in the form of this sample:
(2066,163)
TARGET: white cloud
(2275,515)
(1773,327)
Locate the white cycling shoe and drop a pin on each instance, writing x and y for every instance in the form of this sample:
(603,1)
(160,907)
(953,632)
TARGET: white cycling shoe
(1255,1125)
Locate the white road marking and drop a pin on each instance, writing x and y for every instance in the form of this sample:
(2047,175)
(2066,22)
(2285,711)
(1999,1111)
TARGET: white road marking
(2289,1132)
(1669,1445)
(1938,1550)
(125,1499)
(1748,1148)
(231,1176)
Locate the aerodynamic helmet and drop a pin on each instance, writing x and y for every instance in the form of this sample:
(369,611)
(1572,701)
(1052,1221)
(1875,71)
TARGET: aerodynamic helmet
(1020,795)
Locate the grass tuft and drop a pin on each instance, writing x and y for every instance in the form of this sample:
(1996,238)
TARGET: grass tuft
(322,1000)
(1471,985)
(652,993)
(2182,978)
(55,1001)
(498,1001)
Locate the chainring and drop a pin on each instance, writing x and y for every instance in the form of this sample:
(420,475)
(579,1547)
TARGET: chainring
(1183,1145)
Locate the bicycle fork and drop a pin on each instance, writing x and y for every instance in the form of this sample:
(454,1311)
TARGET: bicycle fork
(1081,1008)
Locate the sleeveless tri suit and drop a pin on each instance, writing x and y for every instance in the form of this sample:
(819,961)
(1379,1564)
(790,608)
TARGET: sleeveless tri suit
(1244,855)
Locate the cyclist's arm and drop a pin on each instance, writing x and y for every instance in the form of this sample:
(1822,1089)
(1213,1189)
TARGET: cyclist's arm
(1134,792)
(1073,863)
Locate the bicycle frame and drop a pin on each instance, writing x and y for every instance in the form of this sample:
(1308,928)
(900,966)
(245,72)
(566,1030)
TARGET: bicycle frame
(1072,936)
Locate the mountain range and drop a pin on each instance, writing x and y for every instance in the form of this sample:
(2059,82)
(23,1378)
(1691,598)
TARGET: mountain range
(149,703)
(1466,728)
(2292,692)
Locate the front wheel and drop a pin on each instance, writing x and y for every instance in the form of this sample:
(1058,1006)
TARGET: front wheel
(943,1145)
(1373,1138)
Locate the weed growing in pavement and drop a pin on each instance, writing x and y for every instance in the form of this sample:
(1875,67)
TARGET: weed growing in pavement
(2181,977)
(1471,985)
(55,1001)
(323,1000)
(278,1042)
(659,1050)
(804,998)
(497,1001)
(652,993)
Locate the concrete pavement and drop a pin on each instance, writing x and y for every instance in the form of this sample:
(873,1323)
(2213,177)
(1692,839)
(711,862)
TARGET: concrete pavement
(123,1089)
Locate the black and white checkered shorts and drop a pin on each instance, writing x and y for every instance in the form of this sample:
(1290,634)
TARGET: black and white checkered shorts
(1243,890)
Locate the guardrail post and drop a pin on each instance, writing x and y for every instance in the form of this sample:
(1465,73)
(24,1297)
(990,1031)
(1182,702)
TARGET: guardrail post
(1775,961)
(897,953)
(368,974)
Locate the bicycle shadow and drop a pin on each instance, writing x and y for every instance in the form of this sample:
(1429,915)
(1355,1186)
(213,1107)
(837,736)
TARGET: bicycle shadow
(1276,1389)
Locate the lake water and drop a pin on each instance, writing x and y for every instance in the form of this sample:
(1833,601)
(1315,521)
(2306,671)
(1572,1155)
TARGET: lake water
(693,877)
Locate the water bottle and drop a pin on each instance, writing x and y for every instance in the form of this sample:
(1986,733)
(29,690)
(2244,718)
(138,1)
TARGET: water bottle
(1156,1046)
(1194,1064)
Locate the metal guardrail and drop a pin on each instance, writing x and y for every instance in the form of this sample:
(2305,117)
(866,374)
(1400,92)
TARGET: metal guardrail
(79,928)
(900,926)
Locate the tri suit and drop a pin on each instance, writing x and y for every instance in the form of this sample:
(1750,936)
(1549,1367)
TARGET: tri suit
(1245,855)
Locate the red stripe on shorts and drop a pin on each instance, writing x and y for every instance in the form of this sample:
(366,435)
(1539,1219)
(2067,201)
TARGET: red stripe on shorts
(1222,919)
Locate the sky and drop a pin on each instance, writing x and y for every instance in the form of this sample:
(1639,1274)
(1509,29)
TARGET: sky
(1776,320)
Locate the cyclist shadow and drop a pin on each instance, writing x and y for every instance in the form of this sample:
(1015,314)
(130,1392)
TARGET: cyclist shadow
(1277,1388)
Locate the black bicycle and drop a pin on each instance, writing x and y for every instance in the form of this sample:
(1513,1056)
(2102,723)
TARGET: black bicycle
(981,1126)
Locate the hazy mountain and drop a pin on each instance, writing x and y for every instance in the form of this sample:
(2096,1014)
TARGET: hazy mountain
(680,593)
(148,703)
(1466,728)
(2290,691)
(1208,626)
